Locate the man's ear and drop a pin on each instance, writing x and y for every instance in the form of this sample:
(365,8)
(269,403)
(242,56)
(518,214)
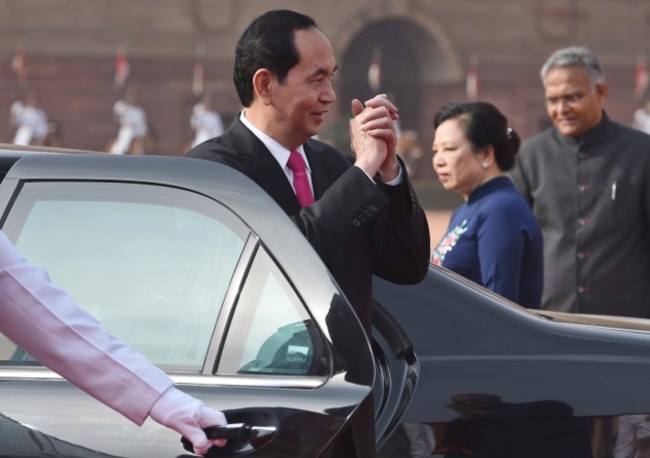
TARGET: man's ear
(602,90)
(262,85)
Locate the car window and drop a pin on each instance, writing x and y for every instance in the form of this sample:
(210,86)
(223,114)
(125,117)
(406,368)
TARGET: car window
(152,263)
(271,332)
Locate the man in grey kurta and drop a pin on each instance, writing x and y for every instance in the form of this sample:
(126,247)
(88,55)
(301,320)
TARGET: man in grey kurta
(588,181)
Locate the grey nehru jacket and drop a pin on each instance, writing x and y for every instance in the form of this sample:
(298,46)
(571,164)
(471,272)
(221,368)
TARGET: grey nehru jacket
(591,197)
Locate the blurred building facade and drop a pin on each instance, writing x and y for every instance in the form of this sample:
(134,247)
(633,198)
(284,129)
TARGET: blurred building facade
(80,55)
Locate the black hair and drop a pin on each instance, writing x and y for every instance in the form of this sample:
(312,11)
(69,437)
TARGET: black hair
(484,125)
(268,42)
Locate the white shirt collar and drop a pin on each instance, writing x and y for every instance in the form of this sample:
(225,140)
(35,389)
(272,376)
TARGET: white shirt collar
(279,152)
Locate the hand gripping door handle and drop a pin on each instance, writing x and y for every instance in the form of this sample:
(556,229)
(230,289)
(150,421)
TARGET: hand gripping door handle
(239,432)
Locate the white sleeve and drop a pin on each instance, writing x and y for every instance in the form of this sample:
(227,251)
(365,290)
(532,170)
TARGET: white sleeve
(46,322)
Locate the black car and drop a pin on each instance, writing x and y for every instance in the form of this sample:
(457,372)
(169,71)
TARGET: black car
(195,266)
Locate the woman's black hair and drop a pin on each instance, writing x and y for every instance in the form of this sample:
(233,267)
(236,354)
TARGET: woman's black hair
(484,125)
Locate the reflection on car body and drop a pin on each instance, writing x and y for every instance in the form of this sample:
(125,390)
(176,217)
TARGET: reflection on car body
(192,264)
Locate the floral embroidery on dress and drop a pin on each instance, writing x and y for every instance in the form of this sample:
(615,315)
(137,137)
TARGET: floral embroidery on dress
(447,243)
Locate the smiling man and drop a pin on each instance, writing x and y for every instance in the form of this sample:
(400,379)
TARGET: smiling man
(587,179)
(359,212)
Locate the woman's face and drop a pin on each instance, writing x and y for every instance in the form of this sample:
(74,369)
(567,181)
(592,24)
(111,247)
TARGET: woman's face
(458,166)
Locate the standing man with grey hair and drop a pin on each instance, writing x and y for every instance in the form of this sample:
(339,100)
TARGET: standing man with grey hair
(587,179)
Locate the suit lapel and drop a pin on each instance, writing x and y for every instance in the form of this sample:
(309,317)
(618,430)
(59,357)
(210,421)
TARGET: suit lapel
(262,167)
(269,175)
(265,170)
(322,173)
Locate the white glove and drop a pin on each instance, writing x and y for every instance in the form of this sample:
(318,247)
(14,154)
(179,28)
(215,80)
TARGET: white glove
(188,416)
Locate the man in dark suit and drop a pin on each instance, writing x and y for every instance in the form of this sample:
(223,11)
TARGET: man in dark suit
(365,218)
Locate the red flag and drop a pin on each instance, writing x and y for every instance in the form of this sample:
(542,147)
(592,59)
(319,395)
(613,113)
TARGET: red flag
(198,77)
(641,77)
(122,70)
(374,70)
(471,81)
(18,66)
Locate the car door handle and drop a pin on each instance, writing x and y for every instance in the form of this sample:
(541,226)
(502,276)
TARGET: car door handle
(257,436)
(241,432)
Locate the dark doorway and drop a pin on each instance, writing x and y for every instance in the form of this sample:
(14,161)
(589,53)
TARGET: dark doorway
(397,41)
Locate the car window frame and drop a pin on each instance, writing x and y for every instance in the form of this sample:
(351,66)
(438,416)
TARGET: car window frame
(14,219)
(16,213)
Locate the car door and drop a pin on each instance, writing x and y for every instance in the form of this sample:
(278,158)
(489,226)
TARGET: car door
(500,381)
(194,266)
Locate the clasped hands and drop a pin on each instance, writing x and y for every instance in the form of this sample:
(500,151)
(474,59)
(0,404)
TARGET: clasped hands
(373,137)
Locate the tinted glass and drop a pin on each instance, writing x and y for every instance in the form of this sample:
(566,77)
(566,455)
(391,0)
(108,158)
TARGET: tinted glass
(271,331)
(151,263)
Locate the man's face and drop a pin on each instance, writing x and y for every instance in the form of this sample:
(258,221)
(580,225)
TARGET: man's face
(304,98)
(573,102)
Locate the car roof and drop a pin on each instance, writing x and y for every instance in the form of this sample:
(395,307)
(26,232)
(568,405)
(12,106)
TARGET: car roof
(10,153)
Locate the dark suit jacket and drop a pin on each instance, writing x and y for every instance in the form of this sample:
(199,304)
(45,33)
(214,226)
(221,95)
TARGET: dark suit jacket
(359,228)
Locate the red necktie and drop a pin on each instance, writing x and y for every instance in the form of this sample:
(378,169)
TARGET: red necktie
(300,180)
